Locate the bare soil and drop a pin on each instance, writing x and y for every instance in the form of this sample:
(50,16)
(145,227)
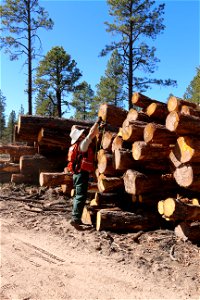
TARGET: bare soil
(44,258)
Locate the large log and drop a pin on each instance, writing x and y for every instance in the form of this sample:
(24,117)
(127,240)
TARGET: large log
(137,183)
(119,143)
(188,176)
(107,139)
(183,124)
(174,104)
(142,101)
(110,184)
(55,179)
(116,219)
(175,210)
(190,111)
(188,231)
(134,132)
(187,149)
(123,160)
(158,134)
(158,112)
(15,151)
(112,114)
(105,163)
(29,126)
(150,152)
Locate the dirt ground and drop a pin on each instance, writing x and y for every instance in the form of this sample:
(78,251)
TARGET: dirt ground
(44,258)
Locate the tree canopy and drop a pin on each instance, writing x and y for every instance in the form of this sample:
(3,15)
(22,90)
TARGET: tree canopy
(136,22)
(57,75)
(21,20)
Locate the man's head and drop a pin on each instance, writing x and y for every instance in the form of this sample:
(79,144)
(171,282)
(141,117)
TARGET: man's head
(76,134)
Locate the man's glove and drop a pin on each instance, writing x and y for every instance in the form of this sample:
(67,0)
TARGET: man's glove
(99,120)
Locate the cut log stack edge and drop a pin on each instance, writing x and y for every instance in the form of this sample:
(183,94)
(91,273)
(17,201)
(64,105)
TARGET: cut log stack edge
(148,164)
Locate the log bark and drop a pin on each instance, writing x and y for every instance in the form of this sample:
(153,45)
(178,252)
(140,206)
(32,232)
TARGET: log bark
(176,210)
(183,124)
(187,149)
(110,184)
(112,114)
(158,112)
(137,183)
(9,167)
(105,163)
(134,115)
(142,101)
(150,152)
(55,179)
(116,219)
(107,140)
(175,104)
(188,231)
(158,134)
(134,132)
(188,176)
(54,137)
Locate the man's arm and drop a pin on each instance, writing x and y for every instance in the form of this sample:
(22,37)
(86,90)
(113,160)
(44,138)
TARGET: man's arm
(84,144)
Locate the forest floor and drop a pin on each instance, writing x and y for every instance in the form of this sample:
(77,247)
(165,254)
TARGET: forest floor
(44,258)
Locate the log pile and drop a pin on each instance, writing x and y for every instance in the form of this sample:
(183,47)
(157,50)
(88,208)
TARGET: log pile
(41,145)
(147,163)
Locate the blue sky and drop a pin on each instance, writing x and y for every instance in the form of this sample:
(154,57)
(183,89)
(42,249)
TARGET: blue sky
(79,27)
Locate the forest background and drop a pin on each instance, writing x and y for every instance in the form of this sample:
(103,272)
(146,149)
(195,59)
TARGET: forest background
(79,29)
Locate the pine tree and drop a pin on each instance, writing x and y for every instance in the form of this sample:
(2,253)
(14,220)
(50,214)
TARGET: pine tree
(82,100)
(21,20)
(2,115)
(9,132)
(110,88)
(193,90)
(136,22)
(57,75)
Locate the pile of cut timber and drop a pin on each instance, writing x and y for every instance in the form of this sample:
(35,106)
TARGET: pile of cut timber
(41,145)
(149,171)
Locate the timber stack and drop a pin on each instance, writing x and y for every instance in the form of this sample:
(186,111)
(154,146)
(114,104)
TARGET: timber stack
(40,145)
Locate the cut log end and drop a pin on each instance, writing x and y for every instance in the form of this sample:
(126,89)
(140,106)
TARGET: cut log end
(149,132)
(172,121)
(184,175)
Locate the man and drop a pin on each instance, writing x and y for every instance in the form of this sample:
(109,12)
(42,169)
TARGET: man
(81,163)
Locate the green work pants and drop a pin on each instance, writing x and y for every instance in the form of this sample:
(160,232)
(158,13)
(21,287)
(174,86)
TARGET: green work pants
(80,182)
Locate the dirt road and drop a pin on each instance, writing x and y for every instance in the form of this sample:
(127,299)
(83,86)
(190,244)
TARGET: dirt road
(37,265)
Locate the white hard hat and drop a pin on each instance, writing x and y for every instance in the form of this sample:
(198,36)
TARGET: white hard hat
(75,134)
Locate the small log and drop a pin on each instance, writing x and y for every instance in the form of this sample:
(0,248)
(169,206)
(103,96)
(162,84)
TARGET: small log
(112,114)
(119,143)
(55,179)
(110,184)
(15,151)
(105,199)
(142,101)
(183,124)
(158,112)
(188,176)
(190,111)
(9,167)
(188,231)
(116,219)
(150,152)
(187,149)
(107,140)
(158,134)
(134,132)
(176,210)
(175,104)
(20,178)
